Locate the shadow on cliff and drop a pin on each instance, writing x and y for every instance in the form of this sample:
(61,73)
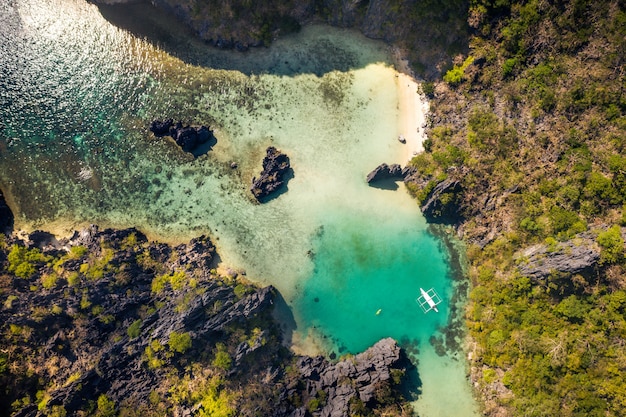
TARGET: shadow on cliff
(165,31)
(284,316)
(429,35)
(411,386)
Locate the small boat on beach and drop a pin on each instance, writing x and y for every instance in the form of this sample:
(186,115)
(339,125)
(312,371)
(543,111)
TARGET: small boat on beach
(429,300)
(401,139)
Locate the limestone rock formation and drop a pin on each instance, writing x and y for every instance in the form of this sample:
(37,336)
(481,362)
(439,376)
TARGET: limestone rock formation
(276,171)
(384,172)
(357,377)
(440,205)
(573,256)
(99,314)
(261,22)
(189,138)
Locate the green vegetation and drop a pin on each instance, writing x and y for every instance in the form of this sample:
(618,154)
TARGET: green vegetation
(23,262)
(179,342)
(47,325)
(222,359)
(612,246)
(539,141)
(152,356)
(456,74)
(177,281)
(134,330)
(106,407)
(96,266)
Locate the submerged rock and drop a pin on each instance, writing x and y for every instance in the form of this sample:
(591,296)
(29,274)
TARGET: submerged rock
(276,168)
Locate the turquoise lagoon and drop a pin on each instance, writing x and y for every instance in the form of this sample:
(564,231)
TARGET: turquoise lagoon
(77,96)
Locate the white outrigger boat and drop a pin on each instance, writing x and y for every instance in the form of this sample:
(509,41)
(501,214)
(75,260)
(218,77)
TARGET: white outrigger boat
(429,300)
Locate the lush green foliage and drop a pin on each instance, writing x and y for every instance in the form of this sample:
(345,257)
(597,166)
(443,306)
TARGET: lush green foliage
(134,330)
(540,135)
(177,281)
(455,75)
(612,245)
(106,407)
(23,261)
(222,359)
(179,342)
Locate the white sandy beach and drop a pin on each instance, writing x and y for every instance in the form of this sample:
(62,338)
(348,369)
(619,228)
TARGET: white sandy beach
(413,108)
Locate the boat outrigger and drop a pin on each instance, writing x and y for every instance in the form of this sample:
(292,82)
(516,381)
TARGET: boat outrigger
(429,300)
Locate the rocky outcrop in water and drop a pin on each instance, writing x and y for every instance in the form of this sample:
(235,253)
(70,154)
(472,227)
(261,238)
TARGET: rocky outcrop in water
(570,257)
(275,174)
(146,326)
(384,172)
(358,377)
(189,138)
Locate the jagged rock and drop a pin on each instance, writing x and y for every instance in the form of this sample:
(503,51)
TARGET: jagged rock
(356,376)
(572,257)
(247,347)
(197,255)
(90,338)
(189,138)
(42,240)
(436,209)
(298,412)
(275,169)
(407,172)
(91,237)
(161,128)
(384,172)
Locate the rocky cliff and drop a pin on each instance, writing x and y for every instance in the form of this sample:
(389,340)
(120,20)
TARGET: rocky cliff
(108,323)
(573,256)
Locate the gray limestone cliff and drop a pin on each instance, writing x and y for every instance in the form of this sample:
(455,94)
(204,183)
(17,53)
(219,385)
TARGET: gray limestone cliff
(571,257)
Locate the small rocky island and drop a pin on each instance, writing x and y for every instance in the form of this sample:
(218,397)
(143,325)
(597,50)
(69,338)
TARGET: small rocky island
(276,172)
(195,140)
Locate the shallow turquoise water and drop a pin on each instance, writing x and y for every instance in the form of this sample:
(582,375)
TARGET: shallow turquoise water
(76,98)
(367,264)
